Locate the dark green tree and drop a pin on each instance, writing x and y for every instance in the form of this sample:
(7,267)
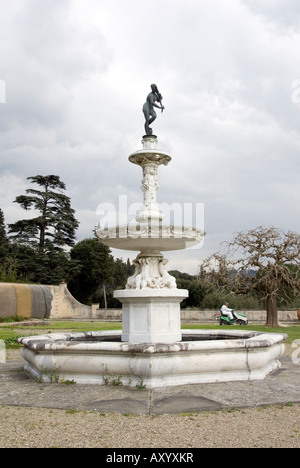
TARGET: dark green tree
(8,264)
(3,237)
(55,225)
(191,283)
(39,242)
(95,269)
(98,274)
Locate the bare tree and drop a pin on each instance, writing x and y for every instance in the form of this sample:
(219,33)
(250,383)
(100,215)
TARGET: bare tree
(273,254)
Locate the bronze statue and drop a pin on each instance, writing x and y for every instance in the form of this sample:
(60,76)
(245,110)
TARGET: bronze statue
(148,107)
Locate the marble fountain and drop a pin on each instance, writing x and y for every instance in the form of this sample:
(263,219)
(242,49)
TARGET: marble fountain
(151,347)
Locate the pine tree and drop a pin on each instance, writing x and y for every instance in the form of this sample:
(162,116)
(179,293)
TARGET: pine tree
(54,227)
(3,237)
(40,242)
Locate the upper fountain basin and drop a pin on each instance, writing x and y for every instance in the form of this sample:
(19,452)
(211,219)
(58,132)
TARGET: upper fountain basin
(145,156)
(160,237)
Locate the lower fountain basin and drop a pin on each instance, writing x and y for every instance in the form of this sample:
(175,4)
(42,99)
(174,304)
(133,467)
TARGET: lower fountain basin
(202,356)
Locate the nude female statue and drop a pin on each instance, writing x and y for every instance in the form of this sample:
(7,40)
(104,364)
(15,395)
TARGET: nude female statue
(148,107)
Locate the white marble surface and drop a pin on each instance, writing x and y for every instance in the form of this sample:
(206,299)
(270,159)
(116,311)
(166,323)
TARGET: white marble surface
(243,355)
(151,315)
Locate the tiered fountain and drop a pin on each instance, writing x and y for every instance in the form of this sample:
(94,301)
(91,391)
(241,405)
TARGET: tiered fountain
(151,346)
(151,300)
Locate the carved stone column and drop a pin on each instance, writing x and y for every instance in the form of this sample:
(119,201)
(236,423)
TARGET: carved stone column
(149,160)
(151,300)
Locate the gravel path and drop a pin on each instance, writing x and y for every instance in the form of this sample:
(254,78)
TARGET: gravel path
(274,427)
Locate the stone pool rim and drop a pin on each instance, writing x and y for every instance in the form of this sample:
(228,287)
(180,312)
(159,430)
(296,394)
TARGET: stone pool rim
(224,340)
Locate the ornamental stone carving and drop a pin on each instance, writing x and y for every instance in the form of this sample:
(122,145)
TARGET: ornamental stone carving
(150,272)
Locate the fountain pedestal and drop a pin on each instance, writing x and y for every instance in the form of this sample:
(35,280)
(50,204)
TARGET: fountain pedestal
(151,316)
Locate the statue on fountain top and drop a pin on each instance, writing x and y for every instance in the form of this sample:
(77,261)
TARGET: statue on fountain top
(148,108)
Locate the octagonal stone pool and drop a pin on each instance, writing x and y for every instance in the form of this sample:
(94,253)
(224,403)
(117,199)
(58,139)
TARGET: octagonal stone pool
(202,356)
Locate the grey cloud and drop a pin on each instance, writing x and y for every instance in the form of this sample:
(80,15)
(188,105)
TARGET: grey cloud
(285,13)
(48,54)
(77,74)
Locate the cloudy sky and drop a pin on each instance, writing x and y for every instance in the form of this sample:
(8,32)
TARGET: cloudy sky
(74,75)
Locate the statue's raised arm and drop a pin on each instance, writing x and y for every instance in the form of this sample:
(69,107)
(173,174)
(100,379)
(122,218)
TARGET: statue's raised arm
(148,107)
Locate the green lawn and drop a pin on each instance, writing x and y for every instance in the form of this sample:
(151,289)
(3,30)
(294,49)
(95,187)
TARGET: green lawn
(11,331)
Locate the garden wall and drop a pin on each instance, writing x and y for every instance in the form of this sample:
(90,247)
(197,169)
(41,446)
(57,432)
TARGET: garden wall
(25,300)
(56,302)
(40,301)
(196,315)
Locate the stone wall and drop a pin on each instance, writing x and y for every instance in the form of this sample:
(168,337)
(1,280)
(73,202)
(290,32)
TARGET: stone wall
(57,303)
(40,301)
(65,306)
(190,315)
(25,300)
(197,315)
